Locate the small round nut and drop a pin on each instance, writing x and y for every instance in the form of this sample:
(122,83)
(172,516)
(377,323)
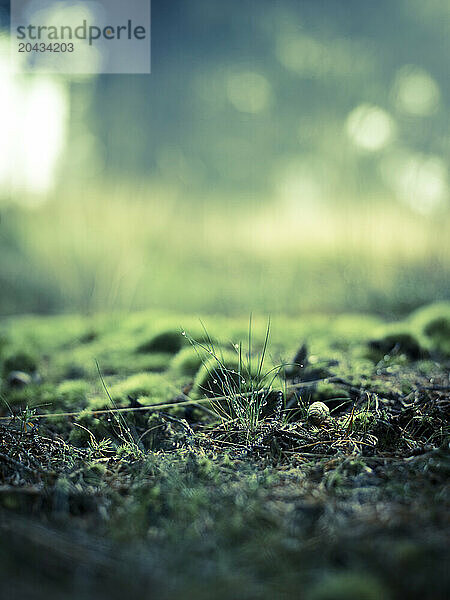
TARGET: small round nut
(318,413)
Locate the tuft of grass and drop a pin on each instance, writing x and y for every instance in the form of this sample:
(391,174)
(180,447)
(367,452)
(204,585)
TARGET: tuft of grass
(267,513)
(239,380)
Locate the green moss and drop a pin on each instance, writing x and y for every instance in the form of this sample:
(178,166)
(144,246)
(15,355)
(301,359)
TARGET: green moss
(382,387)
(19,361)
(397,342)
(88,336)
(170,341)
(94,472)
(424,315)
(326,391)
(78,437)
(86,427)
(433,323)
(147,387)
(123,362)
(349,586)
(437,331)
(438,328)
(72,394)
(188,361)
(43,394)
(73,371)
(177,492)
(216,379)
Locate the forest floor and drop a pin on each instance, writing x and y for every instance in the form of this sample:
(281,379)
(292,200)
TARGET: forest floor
(121,473)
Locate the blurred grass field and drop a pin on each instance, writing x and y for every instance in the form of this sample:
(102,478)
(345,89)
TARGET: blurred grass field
(199,506)
(137,246)
(289,160)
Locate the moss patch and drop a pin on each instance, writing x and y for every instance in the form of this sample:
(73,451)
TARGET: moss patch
(188,361)
(169,342)
(329,393)
(196,507)
(146,387)
(434,323)
(396,342)
(19,361)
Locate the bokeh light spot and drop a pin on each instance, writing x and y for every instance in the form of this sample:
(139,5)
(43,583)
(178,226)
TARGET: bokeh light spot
(370,127)
(415,91)
(248,91)
(419,180)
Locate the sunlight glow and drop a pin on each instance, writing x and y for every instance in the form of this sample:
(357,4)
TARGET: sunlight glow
(44,112)
(415,91)
(420,181)
(33,114)
(301,184)
(370,127)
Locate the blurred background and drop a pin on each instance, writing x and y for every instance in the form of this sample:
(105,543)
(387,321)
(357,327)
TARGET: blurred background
(282,156)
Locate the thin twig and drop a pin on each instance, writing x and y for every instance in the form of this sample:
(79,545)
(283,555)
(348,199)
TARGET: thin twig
(151,407)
